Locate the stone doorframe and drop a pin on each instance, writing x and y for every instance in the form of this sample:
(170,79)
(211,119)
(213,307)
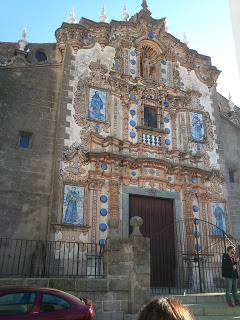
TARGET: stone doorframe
(127,191)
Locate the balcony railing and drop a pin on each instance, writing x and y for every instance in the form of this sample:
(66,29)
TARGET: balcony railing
(151,139)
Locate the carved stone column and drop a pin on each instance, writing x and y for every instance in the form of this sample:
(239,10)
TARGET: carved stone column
(114,186)
(95,186)
(174,130)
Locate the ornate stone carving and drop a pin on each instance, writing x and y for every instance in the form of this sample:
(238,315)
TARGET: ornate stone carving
(99,75)
(96,184)
(74,166)
(4,61)
(114,197)
(207,74)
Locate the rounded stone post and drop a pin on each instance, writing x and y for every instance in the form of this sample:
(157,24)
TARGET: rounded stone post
(136,222)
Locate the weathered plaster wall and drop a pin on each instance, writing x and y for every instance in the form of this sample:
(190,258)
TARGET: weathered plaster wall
(191,82)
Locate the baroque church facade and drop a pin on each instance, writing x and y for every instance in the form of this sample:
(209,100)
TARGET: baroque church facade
(114,120)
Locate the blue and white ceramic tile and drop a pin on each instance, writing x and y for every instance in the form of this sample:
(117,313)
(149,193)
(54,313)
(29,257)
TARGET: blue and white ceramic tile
(97,105)
(166,73)
(132,123)
(130,62)
(73,204)
(197,126)
(218,219)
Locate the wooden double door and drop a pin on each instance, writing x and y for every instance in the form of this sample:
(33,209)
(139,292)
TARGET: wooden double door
(158,225)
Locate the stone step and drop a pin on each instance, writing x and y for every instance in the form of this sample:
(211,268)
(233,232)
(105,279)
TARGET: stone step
(213,309)
(202,298)
(114,316)
(217,317)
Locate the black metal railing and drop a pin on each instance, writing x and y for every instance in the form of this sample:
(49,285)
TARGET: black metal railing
(193,262)
(33,258)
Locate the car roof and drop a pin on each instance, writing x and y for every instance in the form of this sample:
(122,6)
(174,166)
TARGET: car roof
(28,289)
(5,290)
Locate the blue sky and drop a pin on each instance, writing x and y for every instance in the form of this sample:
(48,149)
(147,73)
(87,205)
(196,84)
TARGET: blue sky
(206,23)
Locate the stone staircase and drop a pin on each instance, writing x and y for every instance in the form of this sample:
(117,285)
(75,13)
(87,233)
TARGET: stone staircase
(210,307)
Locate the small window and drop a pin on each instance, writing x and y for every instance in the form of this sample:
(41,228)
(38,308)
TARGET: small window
(150,117)
(25,139)
(14,304)
(231,176)
(40,56)
(50,303)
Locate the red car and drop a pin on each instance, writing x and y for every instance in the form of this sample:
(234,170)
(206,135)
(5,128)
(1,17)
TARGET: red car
(42,304)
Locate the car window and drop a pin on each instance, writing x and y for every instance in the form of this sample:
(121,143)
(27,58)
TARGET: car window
(50,302)
(13,304)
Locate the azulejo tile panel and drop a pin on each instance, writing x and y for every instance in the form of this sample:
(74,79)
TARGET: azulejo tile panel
(97,105)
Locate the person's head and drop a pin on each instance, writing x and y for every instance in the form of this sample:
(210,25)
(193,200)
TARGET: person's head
(165,309)
(231,249)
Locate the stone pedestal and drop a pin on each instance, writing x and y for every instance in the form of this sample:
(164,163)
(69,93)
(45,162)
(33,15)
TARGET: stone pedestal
(127,267)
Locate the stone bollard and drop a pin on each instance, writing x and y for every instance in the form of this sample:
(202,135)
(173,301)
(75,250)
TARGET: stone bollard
(136,223)
(139,281)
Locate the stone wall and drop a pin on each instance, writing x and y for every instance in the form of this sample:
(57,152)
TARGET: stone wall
(231,144)
(29,94)
(228,127)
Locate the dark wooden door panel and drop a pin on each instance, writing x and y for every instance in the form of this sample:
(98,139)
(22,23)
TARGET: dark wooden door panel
(157,214)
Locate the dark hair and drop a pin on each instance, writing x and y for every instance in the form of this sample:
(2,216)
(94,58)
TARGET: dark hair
(230,248)
(165,309)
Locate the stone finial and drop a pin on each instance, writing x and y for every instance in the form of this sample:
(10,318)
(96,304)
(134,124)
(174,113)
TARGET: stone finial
(124,15)
(72,16)
(144,4)
(166,26)
(230,103)
(22,43)
(185,39)
(136,223)
(103,16)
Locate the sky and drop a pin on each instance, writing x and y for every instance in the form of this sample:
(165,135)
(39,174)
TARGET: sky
(206,23)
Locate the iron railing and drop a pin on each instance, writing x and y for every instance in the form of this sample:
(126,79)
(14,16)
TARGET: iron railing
(195,266)
(33,258)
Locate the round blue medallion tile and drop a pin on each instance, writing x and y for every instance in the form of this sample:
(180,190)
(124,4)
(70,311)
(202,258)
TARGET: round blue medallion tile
(132,135)
(167,142)
(133,62)
(165,103)
(104,166)
(101,242)
(194,180)
(150,35)
(133,53)
(103,212)
(167,130)
(132,123)
(164,62)
(132,112)
(133,173)
(103,198)
(195,208)
(166,119)
(103,227)
(132,71)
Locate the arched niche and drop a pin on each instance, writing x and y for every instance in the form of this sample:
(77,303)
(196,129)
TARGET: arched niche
(149,56)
